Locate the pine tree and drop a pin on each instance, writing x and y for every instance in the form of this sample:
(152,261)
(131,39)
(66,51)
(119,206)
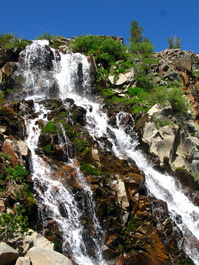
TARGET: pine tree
(136,33)
(138,44)
(174,42)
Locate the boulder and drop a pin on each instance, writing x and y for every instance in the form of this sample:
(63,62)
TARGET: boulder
(8,255)
(23,261)
(172,144)
(11,148)
(33,239)
(118,186)
(42,256)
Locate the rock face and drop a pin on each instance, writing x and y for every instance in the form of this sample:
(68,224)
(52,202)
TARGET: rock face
(8,255)
(46,257)
(137,227)
(172,144)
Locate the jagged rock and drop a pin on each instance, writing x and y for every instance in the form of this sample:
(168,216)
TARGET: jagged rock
(9,55)
(170,143)
(11,148)
(23,261)
(118,186)
(123,78)
(47,257)
(8,255)
(33,239)
(133,183)
(109,253)
(141,258)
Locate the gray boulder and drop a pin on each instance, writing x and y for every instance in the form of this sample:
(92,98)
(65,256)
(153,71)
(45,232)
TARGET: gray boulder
(23,261)
(8,255)
(40,256)
(171,143)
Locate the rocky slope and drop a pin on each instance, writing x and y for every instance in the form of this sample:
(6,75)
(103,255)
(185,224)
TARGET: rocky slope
(137,227)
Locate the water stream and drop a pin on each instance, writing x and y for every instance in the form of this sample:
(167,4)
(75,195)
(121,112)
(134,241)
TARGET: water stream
(71,76)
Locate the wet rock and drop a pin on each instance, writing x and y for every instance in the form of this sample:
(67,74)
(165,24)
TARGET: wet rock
(133,183)
(13,122)
(109,253)
(8,255)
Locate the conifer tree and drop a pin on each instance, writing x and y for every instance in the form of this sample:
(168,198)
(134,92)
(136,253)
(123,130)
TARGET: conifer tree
(138,44)
(174,42)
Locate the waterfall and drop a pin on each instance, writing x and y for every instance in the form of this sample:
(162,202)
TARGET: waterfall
(162,186)
(51,194)
(70,77)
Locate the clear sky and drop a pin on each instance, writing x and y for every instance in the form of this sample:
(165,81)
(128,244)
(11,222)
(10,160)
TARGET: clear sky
(160,19)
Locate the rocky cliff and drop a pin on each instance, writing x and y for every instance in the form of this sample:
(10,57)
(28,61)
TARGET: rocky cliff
(137,226)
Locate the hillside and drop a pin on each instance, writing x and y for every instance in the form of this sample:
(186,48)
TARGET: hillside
(75,131)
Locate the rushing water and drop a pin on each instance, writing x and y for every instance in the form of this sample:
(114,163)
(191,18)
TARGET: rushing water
(50,191)
(71,74)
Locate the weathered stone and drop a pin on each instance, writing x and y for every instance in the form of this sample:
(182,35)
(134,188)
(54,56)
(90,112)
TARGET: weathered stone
(170,143)
(2,206)
(40,256)
(23,261)
(118,186)
(8,255)
(33,239)
(10,147)
(133,183)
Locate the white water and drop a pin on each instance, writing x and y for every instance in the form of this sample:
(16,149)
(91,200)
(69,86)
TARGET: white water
(50,191)
(161,186)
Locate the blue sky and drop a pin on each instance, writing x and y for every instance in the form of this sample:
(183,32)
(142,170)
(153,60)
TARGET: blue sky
(159,19)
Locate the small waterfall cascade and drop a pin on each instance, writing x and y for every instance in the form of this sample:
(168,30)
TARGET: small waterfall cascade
(51,194)
(162,186)
(70,77)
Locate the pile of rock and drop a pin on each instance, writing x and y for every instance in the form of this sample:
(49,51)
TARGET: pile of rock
(34,250)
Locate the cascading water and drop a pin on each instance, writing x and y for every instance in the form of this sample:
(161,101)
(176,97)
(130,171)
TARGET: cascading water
(70,83)
(50,192)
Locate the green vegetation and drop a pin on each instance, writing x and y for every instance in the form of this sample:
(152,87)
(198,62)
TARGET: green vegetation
(106,50)
(48,36)
(138,44)
(81,145)
(13,224)
(50,127)
(10,41)
(174,42)
(89,169)
(18,173)
(48,148)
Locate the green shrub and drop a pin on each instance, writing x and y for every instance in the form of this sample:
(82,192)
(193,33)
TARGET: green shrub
(48,148)
(174,96)
(89,169)
(106,50)
(18,173)
(46,36)
(145,48)
(50,127)
(10,41)
(81,144)
(13,224)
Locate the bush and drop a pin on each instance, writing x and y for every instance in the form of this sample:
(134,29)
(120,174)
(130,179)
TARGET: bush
(18,173)
(106,50)
(90,169)
(49,128)
(10,41)
(174,96)
(145,48)
(13,224)
(45,36)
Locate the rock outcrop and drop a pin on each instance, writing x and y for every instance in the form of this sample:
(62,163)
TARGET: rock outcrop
(8,255)
(172,143)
